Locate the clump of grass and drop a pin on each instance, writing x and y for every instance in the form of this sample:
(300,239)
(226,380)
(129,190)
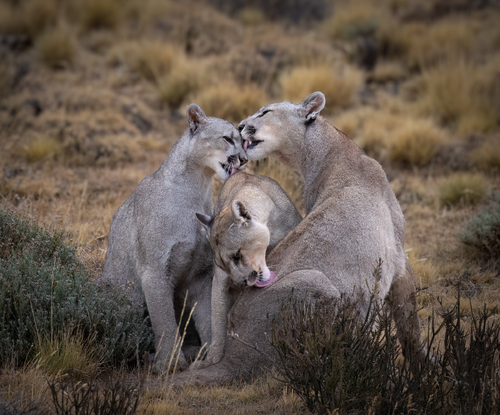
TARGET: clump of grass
(251,16)
(461,94)
(230,101)
(482,232)
(445,39)
(462,188)
(68,353)
(98,14)
(151,59)
(415,142)
(388,71)
(45,293)
(39,15)
(42,148)
(340,85)
(174,88)
(351,20)
(56,47)
(487,157)
(12,21)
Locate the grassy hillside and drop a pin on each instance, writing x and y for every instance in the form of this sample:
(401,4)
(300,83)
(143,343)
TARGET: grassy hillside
(93,94)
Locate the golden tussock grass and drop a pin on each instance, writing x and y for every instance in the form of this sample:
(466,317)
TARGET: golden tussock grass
(57,46)
(415,141)
(387,71)
(98,14)
(42,148)
(183,80)
(251,16)
(340,85)
(58,356)
(151,59)
(352,18)
(11,20)
(446,39)
(461,93)
(462,189)
(487,157)
(230,101)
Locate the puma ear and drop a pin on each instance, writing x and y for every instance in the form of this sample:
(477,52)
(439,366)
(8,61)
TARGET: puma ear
(240,212)
(207,221)
(195,116)
(313,105)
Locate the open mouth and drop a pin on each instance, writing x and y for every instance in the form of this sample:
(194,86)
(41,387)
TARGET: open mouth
(251,144)
(229,167)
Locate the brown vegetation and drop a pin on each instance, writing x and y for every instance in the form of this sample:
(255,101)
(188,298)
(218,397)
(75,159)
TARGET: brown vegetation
(93,94)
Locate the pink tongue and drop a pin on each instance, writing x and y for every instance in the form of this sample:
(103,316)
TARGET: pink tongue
(271,279)
(245,144)
(233,170)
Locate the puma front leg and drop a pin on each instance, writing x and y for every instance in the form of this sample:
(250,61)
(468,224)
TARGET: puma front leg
(221,303)
(160,302)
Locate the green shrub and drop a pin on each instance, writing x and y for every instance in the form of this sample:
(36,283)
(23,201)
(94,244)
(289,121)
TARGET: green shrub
(482,232)
(45,293)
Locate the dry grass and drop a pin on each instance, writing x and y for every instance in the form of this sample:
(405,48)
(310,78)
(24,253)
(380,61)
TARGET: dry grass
(183,80)
(416,142)
(462,94)
(462,189)
(42,148)
(388,71)
(250,16)
(487,157)
(447,39)
(98,14)
(266,395)
(352,19)
(57,47)
(339,85)
(23,389)
(12,21)
(230,101)
(71,353)
(150,59)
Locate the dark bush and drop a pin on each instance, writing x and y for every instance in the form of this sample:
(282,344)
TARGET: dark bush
(336,359)
(117,394)
(482,232)
(46,292)
(292,10)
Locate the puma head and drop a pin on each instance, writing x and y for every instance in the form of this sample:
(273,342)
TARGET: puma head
(268,131)
(239,242)
(220,146)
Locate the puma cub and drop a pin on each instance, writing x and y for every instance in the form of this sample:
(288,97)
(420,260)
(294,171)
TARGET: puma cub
(157,249)
(252,214)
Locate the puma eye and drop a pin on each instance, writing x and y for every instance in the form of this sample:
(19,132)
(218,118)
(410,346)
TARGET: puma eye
(237,258)
(229,140)
(264,113)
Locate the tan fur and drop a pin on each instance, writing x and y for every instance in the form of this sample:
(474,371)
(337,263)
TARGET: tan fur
(354,224)
(253,213)
(157,250)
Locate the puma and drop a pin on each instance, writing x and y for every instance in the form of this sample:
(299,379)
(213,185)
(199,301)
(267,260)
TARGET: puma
(252,214)
(157,249)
